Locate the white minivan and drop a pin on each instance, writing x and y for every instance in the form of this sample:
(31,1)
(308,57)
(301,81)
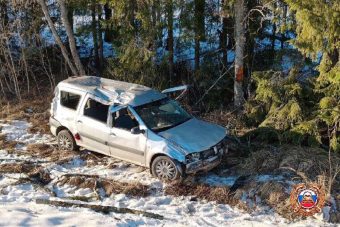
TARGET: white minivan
(136,124)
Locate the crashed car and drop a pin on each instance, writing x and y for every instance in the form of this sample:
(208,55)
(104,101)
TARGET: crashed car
(136,124)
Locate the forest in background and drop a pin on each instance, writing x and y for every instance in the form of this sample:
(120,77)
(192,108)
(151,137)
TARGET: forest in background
(272,64)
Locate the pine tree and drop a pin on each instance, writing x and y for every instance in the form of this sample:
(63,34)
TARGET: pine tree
(318,33)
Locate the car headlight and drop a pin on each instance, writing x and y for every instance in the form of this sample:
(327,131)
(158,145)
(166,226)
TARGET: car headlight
(193,157)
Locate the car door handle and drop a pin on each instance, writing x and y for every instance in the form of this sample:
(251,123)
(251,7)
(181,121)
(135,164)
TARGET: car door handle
(112,134)
(79,121)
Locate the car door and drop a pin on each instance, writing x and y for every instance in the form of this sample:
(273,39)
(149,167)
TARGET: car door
(123,144)
(92,125)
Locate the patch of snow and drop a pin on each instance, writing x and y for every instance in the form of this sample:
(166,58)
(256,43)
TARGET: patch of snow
(265,178)
(18,206)
(18,131)
(214,180)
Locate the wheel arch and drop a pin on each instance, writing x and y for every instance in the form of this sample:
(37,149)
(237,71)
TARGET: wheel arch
(178,164)
(153,159)
(60,128)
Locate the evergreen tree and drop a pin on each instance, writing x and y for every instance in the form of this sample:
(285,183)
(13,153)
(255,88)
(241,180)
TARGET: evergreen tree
(318,32)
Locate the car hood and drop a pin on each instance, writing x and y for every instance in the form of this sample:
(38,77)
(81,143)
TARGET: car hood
(194,135)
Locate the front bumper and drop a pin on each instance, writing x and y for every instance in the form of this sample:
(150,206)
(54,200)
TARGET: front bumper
(203,165)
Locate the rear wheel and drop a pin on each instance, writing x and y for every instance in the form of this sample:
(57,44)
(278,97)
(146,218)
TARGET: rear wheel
(66,141)
(165,169)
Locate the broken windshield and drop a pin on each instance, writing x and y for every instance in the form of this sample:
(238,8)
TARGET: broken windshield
(162,114)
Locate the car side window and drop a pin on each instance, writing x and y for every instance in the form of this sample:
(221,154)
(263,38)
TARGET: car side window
(123,119)
(69,100)
(96,110)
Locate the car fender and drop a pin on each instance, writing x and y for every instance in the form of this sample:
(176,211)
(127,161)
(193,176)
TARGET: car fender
(157,145)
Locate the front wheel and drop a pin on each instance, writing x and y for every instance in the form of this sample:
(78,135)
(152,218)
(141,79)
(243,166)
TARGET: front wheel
(66,141)
(165,169)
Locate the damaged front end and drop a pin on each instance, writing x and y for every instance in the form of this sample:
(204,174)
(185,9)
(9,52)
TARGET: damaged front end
(205,160)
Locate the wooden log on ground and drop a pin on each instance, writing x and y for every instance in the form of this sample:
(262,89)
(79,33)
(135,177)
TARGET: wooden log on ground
(100,208)
(33,162)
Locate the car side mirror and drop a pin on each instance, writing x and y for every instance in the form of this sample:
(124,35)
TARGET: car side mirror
(137,130)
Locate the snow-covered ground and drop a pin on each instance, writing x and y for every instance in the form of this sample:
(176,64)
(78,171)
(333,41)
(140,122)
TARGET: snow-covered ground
(18,201)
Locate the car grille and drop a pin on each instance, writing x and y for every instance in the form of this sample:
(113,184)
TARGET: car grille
(208,153)
(211,151)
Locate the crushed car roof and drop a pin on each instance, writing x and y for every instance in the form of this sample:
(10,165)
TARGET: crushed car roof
(113,91)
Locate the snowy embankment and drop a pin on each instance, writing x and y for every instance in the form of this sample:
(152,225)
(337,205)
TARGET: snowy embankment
(18,198)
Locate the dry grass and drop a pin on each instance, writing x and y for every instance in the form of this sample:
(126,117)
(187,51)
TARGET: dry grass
(35,172)
(50,152)
(7,144)
(109,186)
(40,123)
(201,191)
(40,150)
(17,168)
(229,118)
(306,162)
(93,159)
(34,110)
(40,175)
(274,194)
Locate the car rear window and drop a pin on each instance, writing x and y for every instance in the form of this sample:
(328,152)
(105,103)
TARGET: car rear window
(69,100)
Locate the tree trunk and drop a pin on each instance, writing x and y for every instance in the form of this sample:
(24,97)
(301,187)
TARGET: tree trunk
(250,50)
(3,14)
(224,39)
(71,39)
(95,34)
(99,208)
(108,30)
(70,16)
(240,9)
(57,37)
(199,29)
(273,38)
(224,42)
(132,16)
(100,39)
(197,53)
(283,38)
(170,38)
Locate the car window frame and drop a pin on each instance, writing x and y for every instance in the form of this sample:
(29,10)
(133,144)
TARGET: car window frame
(112,119)
(68,91)
(83,110)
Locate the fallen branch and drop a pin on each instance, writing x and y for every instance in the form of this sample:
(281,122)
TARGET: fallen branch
(100,208)
(95,176)
(24,161)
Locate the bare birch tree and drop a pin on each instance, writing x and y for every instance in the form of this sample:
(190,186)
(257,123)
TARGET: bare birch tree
(57,37)
(240,30)
(70,35)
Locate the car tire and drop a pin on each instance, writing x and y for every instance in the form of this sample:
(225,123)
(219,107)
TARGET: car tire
(165,169)
(66,141)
